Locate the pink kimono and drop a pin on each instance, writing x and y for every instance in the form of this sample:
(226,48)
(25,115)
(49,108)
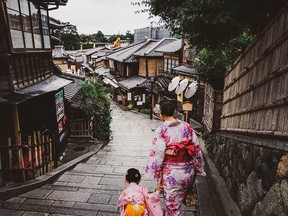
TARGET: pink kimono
(169,138)
(137,194)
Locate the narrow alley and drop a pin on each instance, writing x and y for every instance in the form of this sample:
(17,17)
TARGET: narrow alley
(93,187)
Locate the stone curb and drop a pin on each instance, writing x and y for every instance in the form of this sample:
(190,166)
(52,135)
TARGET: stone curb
(223,203)
(8,192)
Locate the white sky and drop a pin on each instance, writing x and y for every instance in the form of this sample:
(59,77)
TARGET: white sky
(108,16)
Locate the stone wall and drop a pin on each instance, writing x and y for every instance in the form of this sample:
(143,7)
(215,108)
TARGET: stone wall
(255,171)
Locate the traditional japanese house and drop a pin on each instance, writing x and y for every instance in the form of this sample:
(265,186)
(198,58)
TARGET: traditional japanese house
(32,113)
(61,58)
(123,63)
(54,24)
(124,66)
(152,60)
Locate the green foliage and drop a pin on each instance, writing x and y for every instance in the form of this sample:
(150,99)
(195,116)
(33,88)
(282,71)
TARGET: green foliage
(210,143)
(87,46)
(128,36)
(97,95)
(219,30)
(211,64)
(69,36)
(130,106)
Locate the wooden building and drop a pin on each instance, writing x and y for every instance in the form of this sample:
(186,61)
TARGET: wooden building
(172,54)
(123,63)
(31,96)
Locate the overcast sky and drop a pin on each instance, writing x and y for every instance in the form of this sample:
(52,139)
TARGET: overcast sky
(108,16)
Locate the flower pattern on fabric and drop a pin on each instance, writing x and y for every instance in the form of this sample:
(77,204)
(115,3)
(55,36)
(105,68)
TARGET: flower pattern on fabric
(171,180)
(175,176)
(166,169)
(152,153)
(138,195)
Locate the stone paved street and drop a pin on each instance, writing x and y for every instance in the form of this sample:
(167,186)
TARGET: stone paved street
(93,187)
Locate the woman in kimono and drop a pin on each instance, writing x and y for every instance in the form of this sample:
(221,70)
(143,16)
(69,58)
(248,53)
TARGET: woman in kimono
(135,199)
(174,159)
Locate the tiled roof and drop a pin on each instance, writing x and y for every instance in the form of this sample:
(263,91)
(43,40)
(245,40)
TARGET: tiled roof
(152,45)
(86,65)
(73,88)
(132,82)
(52,83)
(126,54)
(171,47)
(101,70)
(92,51)
(184,70)
(79,102)
(59,52)
(147,85)
(164,81)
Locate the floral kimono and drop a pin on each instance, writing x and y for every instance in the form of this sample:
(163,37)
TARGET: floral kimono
(135,200)
(171,138)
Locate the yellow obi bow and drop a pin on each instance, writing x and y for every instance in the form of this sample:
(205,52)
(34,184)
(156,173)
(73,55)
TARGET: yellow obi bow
(135,209)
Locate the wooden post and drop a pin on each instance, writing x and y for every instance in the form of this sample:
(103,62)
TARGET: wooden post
(36,154)
(20,156)
(30,158)
(40,152)
(186,116)
(9,154)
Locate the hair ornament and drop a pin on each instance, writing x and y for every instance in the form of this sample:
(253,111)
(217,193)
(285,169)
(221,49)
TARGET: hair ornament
(136,175)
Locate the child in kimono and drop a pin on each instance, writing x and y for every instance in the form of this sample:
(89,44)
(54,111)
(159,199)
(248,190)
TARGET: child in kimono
(175,158)
(135,199)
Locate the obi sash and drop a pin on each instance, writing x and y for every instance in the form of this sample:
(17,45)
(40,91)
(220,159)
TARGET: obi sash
(179,152)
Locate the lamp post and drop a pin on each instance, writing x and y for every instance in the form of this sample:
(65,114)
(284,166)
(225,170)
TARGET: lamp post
(152,79)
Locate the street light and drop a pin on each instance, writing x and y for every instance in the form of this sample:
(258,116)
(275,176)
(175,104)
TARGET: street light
(152,80)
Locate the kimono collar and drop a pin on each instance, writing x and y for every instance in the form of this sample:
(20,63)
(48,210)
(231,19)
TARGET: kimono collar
(133,183)
(172,124)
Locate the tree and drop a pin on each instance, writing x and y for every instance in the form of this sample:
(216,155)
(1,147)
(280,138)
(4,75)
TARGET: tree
(98,37)
(96,94)
(128,36)
(69,36)
(220,30)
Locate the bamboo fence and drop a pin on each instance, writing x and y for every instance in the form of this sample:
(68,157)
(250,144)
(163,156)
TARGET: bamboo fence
(255,98)
(212,108)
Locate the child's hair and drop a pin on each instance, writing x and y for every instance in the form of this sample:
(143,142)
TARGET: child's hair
(133,175)
(167,107)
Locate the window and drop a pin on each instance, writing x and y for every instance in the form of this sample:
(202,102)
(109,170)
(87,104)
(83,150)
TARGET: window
(15,24)
(28,25)
(165,64)
(45,28)
(36,25)
(27,29)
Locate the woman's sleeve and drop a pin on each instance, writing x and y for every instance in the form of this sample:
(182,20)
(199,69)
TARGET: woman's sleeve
(198,160)
(154,164)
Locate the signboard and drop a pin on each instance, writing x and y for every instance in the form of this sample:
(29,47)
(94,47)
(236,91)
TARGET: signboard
(60,113)
(187,106)
(129,96)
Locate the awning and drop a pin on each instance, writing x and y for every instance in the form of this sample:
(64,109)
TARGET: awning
(50,84)
(101,70)
(86,65)
(132,82)
(110,82)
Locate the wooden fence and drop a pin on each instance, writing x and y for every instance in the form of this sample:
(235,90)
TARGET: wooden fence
(212,108)
(82,128)
(26,160)
(255,98)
